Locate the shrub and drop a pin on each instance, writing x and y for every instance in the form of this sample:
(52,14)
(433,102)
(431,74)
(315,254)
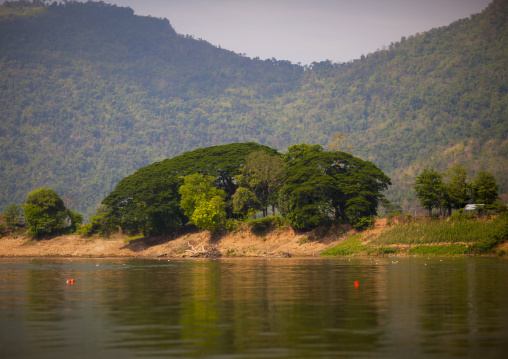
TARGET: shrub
(262,225)
(363,223)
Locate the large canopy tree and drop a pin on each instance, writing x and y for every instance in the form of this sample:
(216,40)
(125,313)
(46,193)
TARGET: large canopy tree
(322,186)
(148,201)
(263,175)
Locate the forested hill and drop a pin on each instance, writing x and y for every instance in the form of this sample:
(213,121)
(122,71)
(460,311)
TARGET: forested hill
(90,92)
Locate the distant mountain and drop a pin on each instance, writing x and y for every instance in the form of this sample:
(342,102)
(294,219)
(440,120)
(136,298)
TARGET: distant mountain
(90,92)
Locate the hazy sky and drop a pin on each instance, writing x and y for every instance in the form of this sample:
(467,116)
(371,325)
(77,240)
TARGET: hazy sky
(304,30)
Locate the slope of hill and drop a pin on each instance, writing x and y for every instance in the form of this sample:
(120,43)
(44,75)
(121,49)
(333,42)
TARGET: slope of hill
(90,92)
(427,101)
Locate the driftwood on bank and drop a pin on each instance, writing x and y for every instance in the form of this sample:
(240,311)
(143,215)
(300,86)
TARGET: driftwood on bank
(206,253)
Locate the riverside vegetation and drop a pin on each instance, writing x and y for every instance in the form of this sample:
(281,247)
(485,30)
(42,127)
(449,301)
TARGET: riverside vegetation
(328,194)
(91,92)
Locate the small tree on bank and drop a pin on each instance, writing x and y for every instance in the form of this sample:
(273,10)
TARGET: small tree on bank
(429,188)
(13,216)
(46,213)
(485,189)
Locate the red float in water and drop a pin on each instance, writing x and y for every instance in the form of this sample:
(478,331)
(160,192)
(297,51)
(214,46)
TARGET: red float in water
(357,284)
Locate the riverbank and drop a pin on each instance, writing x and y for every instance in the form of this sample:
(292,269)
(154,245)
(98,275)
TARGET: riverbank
(275,242)
(394,236)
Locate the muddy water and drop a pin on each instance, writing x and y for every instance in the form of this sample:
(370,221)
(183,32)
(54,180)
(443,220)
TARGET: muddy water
(254,308)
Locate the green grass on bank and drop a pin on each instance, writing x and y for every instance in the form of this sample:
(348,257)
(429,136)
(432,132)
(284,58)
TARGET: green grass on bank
(433,250)
(479,234)
(350,246)
(458,235)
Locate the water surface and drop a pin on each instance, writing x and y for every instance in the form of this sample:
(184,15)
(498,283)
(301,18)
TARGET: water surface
(254,308)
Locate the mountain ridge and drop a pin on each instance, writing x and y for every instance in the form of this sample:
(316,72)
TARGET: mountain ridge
(90,92)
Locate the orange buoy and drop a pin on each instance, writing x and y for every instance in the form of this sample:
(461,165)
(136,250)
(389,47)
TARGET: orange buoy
(357,284)
(70,281)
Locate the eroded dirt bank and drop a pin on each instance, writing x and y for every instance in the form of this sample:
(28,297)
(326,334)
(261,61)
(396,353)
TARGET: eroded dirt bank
(277,242)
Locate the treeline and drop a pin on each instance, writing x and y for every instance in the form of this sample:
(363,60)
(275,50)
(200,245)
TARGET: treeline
(453,190)
(213,187)
(90,93)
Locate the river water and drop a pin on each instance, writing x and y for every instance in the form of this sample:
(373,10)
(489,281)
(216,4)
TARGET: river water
(254,308)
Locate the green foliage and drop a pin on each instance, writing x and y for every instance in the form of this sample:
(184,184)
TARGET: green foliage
(145,203)
(260,226)
(479,234)
(45,212)
(196,190)
(202,202)
(148,201)
(245,203)
(433,192)
(429,188)
(263,175)
(351,245)
(485,189)
(102,223)
(210,214)
(457,189)
(452,249)
(324,186)
(13,216)
(363,223)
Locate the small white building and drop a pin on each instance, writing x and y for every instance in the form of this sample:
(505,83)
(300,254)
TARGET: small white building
(472,207)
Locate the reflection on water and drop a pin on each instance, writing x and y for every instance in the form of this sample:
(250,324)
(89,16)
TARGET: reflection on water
(254,308)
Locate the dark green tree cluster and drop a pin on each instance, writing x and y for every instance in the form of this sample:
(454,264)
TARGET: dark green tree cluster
(452,190)
(208,186)
(149,201)
(322,186)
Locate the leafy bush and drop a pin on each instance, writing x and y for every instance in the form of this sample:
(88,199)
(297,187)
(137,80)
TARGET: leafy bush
(363,223)
(261,225)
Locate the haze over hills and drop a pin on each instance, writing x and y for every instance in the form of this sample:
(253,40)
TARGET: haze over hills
(90,92)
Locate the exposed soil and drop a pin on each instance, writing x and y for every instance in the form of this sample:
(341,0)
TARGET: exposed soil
(277,242)
(244,243)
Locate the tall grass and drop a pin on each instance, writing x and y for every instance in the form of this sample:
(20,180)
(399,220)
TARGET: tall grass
(479,234)
(349,246)
(452,249)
